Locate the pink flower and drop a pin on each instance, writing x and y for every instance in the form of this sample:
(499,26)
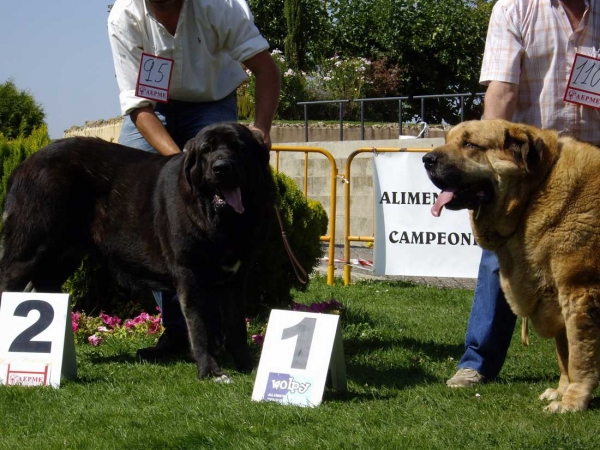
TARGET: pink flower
(317,307)
(153,328)
(258,339)
(103,330)
(110,321)
(299,307)
(95,340)
(333,303)
(143,317)
(75,326)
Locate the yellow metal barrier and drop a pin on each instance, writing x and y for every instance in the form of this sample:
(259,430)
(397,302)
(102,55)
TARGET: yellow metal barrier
(330,238)
(347,181)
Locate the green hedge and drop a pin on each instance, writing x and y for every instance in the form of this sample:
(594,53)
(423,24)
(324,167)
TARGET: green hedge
(13,152)
(304,222)
(92,288)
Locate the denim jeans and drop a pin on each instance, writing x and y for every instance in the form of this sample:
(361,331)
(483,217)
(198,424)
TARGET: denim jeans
(491,323)
(183,120)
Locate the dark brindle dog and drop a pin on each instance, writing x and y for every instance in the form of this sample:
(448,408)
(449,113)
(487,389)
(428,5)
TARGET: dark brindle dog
(192,223)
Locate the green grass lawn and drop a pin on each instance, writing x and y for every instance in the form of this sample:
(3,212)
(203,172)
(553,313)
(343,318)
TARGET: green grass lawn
(401,343)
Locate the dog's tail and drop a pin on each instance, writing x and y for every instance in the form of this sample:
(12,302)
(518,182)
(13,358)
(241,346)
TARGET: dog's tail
(525,331)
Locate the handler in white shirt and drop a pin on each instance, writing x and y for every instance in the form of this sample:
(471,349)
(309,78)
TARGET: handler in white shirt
(206,42)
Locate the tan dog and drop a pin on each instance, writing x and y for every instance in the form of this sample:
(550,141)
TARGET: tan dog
(534,201)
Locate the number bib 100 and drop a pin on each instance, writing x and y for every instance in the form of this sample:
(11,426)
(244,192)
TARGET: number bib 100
(584,82)
(36,339)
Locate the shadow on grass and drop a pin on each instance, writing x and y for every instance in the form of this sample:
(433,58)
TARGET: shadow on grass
(378,358)
(407,362)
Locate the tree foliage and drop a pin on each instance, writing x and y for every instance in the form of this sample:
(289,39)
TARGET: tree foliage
(294,43)
(431,46)
(438,44)
(20,114)
(315,33)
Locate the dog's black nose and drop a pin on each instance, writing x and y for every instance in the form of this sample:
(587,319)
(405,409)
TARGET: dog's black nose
(429,159)
(221,167)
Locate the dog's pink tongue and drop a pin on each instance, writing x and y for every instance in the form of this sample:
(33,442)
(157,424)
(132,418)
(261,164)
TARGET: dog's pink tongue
(443,198)
(233,197)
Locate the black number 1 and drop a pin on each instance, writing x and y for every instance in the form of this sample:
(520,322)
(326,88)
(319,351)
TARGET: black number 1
(305,329)
(23,342)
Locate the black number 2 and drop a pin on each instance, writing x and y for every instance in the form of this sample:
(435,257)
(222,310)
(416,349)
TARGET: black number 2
(305,329)
(23,342)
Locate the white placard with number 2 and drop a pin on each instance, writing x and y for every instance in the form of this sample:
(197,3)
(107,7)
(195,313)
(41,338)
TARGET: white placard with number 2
(36,339)
(298,351)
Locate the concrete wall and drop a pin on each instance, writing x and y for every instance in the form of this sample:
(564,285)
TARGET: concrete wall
(327,138)
(280,133)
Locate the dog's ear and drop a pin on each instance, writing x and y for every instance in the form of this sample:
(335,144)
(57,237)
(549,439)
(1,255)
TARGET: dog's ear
(535,153)
(191,166)
(526,146)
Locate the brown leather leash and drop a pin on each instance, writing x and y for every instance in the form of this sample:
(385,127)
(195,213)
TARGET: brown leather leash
(298,269)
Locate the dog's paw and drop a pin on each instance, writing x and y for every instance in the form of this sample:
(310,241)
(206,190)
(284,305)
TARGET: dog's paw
(551,394)
(563,407)
(223,379)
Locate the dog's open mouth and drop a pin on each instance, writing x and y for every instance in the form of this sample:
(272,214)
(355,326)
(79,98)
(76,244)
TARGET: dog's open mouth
(469,197)
(229,196)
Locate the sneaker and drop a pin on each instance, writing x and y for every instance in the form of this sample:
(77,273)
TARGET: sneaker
(465,378)
(170,345)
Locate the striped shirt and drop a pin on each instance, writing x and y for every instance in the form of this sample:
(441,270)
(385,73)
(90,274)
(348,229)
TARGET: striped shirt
(531,43)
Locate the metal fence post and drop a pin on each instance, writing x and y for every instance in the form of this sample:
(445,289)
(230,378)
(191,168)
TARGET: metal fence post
(341,121)
(362,120)
(400,117)
(305,123)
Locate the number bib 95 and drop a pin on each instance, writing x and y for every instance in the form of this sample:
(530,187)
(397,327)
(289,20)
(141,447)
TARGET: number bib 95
(154,78)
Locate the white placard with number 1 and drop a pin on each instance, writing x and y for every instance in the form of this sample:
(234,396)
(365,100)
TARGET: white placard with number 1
(298,351)
(36,339)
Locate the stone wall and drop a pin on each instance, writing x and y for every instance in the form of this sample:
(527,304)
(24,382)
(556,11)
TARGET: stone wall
(281,133)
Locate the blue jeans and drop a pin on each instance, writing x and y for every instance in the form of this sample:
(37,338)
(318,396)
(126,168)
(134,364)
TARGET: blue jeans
(491,323)
(183,121)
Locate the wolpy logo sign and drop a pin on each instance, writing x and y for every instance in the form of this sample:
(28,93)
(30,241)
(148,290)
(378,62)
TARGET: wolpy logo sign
(283,387)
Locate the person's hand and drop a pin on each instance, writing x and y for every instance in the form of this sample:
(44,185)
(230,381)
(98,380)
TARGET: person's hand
(262,134)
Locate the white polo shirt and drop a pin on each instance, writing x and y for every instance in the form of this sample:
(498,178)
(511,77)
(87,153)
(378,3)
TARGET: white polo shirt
(212,38)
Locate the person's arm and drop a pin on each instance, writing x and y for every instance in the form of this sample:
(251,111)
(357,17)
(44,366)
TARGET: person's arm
(268,88)
(500,100)
(152,129)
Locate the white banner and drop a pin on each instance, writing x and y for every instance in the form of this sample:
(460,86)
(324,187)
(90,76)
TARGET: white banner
(410,241)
